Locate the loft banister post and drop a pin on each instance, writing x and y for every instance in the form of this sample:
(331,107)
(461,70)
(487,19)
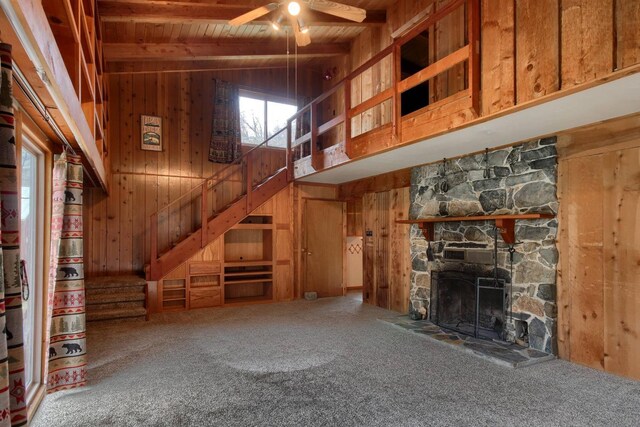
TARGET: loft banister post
(290,134)
(347,117)
(315,152)
(473,28)
(395,107)
(248,164)
(204,216)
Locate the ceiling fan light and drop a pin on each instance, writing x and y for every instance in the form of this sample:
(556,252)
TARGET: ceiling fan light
(294,8)
(277,24)
(303,28)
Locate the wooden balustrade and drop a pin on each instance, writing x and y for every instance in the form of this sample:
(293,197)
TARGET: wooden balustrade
(469,53)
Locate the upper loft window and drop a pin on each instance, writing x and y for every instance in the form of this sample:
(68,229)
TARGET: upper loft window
(262,116)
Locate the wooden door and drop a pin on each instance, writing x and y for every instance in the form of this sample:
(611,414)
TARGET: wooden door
(323,252)
(599,293)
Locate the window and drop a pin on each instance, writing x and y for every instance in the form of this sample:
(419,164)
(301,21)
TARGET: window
(262,116)
(31,251)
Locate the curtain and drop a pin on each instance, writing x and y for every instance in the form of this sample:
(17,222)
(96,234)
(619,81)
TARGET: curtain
(13,405)
(67,365)
(225,145)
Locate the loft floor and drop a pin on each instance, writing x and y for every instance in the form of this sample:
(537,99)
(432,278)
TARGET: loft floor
(323,362)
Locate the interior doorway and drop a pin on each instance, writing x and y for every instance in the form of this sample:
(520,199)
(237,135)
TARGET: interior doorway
(323,247)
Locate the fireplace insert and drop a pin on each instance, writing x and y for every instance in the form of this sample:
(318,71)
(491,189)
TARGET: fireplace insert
(468,304)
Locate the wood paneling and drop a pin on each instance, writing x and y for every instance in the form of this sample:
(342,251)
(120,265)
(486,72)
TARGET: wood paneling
(587,40)
(537,49)
(621,208)
(498,62)
(598,285)
(627,18)
(386,258)
(144,181)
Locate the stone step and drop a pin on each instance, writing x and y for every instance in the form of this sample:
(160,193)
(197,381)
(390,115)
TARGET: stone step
(117,297)
(114,305)
(117,313)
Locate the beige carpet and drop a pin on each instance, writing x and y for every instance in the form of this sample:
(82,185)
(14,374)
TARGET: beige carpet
(312,363)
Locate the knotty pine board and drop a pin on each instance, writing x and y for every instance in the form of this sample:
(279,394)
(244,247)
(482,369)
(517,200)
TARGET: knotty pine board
(587,40)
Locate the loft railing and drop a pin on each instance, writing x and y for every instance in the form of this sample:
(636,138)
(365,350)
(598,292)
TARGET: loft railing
(185,221)
(353,115)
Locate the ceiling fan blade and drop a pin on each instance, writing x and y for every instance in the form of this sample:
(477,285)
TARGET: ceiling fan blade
(340,10)
(254,14)
(302,39)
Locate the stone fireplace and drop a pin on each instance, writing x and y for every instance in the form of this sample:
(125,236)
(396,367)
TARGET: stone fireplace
(460,288)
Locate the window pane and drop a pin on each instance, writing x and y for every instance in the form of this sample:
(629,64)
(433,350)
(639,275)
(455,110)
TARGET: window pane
(252,120)
(28,247)
(277,115)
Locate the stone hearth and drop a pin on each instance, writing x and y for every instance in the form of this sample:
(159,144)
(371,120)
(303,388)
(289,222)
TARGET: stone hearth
(519,179)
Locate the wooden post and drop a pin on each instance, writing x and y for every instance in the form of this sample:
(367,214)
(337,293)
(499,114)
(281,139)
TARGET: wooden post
(153,229)
(473,28)
(249,183)
(289,152)
(347,117)
(395,108)
(204,216)
(315,153)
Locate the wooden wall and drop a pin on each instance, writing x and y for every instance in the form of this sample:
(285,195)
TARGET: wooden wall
(535,48)
(599,274)
(386,258)
(529,49)
(144,181)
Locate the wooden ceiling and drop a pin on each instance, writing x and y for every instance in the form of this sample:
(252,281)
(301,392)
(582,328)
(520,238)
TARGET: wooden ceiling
(178,35)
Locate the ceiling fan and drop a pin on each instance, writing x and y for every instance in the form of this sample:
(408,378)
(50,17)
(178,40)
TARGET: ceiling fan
(293,8)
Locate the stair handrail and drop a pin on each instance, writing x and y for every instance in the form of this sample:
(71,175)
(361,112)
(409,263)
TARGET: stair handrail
(212,178)
(244,162)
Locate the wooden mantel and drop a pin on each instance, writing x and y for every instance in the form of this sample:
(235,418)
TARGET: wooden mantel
(504,223)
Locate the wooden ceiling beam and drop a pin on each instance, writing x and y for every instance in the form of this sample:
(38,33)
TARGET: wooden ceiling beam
(187,12)
(136,67)
(216,49)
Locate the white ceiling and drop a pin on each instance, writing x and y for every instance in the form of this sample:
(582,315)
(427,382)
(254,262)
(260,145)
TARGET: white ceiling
(618,98)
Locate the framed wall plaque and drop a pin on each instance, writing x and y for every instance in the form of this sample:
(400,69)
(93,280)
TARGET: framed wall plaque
(151,133)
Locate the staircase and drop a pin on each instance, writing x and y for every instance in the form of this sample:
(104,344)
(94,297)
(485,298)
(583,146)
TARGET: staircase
(207,211)
(116,298)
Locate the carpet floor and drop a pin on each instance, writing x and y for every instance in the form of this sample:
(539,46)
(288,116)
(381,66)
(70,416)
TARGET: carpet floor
(315,363)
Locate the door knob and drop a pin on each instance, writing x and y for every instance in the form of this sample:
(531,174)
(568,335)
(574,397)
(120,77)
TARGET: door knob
(308,253)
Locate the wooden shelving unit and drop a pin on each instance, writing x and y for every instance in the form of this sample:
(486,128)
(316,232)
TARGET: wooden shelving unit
(505,223)
(204,284)
(76,27)
(174,294)
(248,261)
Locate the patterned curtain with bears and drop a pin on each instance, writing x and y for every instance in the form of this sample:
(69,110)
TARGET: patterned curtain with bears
(66,297)
(13,405)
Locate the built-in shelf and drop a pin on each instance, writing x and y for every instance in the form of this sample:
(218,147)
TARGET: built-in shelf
(248,266)
(504,223)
